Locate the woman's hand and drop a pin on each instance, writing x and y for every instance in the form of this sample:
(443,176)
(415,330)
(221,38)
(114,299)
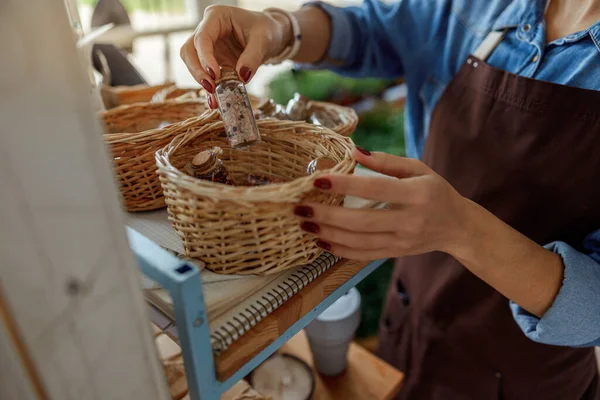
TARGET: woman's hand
(234,37)
(426,213)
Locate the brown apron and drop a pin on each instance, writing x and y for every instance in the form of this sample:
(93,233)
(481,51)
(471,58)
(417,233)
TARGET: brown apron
(527,151)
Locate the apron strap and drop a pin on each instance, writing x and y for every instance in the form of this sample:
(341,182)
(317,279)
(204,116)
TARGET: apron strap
(489,44)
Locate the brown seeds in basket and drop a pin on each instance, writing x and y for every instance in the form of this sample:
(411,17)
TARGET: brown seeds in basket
(206,165)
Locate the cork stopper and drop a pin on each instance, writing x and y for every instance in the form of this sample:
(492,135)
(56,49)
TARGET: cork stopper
(206,160)
(227,74)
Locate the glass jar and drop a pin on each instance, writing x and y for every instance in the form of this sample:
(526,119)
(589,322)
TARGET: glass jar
(236,111)
(206,165)
(270,109)
(298,108)
(320,164)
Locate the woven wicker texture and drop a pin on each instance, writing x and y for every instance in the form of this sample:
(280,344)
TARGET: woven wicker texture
(342,120)
(133,134)
(178,93)
(114,96)
(249,230)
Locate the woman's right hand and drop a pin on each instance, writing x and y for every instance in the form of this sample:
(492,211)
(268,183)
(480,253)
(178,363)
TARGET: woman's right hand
(234,37)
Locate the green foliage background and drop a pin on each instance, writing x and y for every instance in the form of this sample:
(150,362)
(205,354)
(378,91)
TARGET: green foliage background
(381,128)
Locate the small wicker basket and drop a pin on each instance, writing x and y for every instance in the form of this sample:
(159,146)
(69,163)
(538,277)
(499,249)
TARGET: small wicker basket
(114,96)
(133,134)
(178,93)
(249,230)
(342,120)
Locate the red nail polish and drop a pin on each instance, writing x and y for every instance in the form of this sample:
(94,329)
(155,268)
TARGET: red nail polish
(364,151)
(206,85)
(310,227)
(211,104)
(323,245)
(245,73)
(304,211)
(211,73)
(322,183)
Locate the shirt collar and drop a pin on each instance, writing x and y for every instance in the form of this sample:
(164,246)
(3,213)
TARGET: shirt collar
(520,12)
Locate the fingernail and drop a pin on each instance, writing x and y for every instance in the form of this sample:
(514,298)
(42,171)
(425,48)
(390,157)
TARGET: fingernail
(210,103)
(364,151)
(310,227)
(245,73)
(323,245)
(206,85)
(304,211)
(211,73)
(323,183)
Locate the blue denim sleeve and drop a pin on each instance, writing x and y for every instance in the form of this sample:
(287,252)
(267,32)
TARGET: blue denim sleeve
(364,40)
(574,317)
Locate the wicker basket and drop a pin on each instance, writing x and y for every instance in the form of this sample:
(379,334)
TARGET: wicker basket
(249,230)
(133,136)
(343,120)
(114,96)
(178,93)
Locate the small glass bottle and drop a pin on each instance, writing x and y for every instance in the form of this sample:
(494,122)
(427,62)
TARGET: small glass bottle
(236,111)
(206,165)
(320,164)
(270,109)
(298,108)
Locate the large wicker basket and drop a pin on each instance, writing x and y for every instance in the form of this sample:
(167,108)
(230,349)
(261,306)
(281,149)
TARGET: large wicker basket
(343,119)
(249,230)
(133,134)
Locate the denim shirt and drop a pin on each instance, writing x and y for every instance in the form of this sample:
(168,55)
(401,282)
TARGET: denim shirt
(426,42)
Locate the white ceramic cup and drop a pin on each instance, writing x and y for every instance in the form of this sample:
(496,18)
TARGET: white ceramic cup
(331,333)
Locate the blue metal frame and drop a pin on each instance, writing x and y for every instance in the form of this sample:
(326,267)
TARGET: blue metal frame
(182,281)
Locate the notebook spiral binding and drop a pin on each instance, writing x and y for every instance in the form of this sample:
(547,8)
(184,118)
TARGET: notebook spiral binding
(224,336)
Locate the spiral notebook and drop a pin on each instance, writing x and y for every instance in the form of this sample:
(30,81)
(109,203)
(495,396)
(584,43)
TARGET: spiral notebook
(234,304)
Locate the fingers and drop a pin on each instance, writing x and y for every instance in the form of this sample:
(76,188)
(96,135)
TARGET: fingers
(190,58)
(384,189)
(354,240)
(252,57)
(356,220)
(399,167)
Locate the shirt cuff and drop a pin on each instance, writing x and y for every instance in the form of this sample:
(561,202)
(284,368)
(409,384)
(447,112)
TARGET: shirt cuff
(573,319)
(340,48)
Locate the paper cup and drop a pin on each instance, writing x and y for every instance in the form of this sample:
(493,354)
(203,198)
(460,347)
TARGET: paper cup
(331,333)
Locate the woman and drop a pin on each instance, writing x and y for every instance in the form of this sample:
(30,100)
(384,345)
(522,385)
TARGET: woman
(503,110)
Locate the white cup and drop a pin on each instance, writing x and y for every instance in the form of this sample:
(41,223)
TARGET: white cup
(331,333)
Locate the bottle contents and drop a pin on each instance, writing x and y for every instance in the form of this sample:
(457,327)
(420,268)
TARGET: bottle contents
(236,111)
(206,165)
(320,164)
(298,108)
(270,109)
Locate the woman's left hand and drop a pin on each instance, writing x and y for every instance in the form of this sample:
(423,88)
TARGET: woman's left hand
(426,213)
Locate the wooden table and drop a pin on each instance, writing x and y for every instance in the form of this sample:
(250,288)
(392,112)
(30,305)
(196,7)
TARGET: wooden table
(367,376)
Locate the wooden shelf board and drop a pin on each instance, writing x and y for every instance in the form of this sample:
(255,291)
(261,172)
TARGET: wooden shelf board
(275,324)
(367,376)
